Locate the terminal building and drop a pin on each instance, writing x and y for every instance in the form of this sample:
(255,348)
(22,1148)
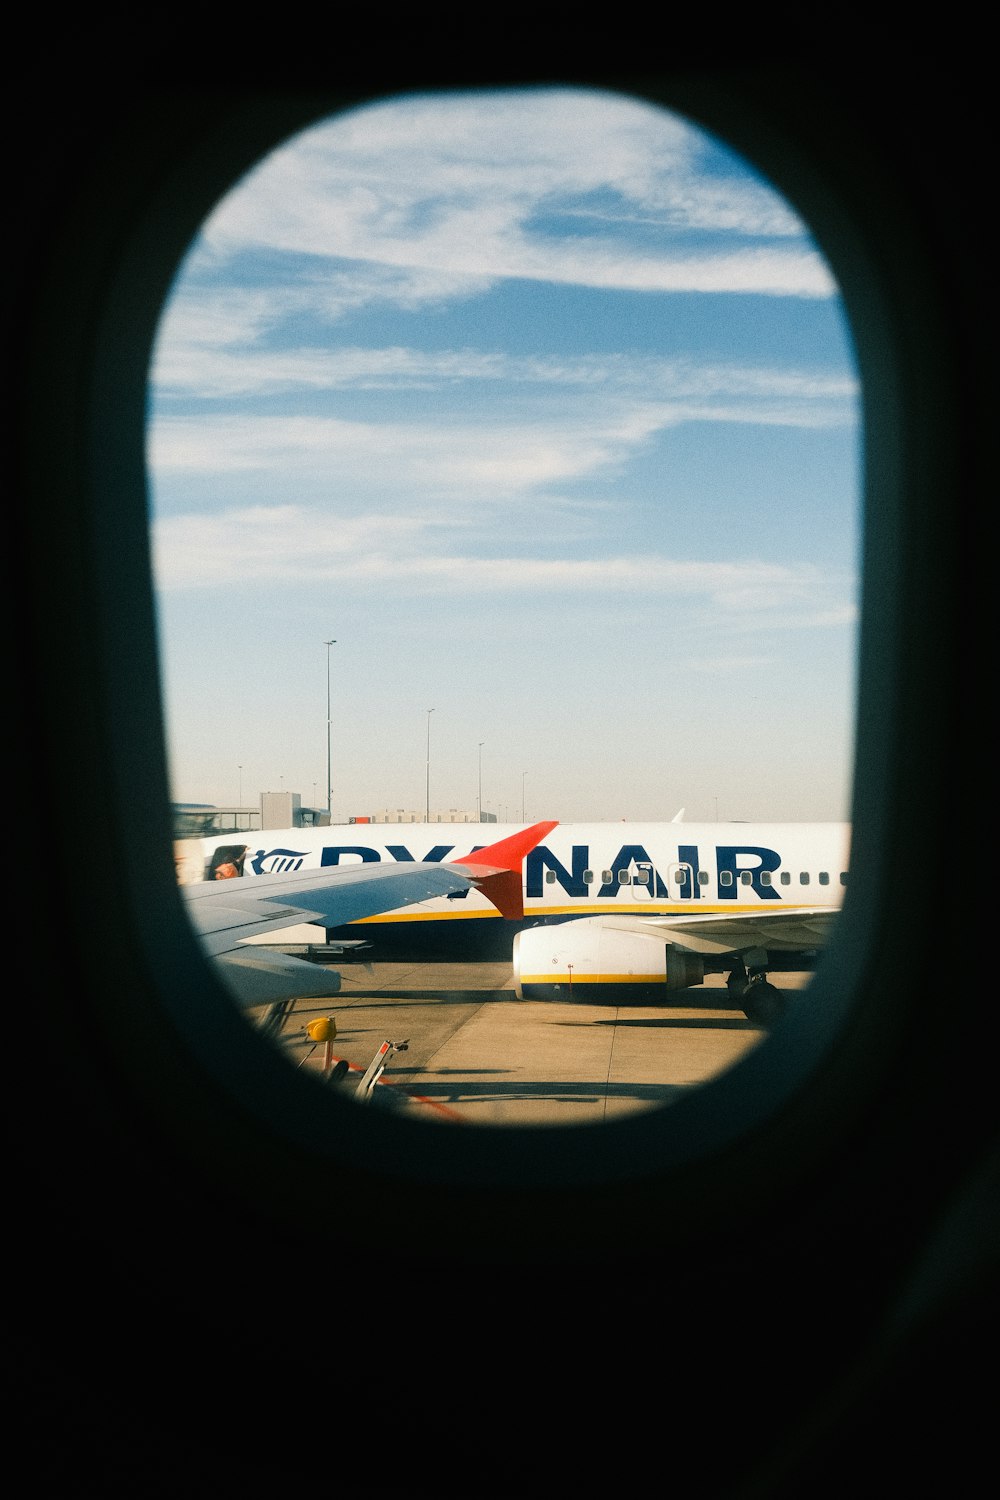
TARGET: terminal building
(199,820)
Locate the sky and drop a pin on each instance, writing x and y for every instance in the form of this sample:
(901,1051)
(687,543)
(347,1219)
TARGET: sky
(543,407)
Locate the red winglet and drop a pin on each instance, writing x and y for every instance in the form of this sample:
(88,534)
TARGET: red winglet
(496,869)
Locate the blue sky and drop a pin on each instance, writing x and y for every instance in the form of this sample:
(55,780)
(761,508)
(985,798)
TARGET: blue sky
(544,406)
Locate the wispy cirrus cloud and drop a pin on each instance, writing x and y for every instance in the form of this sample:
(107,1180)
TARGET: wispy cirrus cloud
(279,544)
(547,188)
(216,365)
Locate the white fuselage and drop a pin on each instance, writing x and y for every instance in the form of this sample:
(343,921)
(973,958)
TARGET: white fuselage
(579,869)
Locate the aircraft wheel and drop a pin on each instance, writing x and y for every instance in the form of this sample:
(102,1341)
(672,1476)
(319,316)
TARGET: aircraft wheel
(763,1004)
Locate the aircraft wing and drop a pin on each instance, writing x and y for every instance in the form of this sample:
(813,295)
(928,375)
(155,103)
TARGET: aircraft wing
(224,913)
(792,930)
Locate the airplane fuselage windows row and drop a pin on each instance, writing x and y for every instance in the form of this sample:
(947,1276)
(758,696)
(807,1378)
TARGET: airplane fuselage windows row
(680,877)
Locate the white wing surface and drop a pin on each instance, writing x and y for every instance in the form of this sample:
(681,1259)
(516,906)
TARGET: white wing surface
(225,913)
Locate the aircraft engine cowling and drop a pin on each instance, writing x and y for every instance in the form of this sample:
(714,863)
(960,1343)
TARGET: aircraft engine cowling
(586,959)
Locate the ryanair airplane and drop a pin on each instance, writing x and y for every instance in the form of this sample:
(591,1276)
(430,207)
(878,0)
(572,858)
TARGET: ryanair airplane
(614,912)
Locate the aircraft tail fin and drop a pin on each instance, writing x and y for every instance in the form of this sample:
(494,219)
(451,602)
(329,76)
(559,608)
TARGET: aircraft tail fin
(496,869)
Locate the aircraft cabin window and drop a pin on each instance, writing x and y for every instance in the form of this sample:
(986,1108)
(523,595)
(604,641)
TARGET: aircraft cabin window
(437,350)
(824,878)
(785,877)
(765,877)
(804,878)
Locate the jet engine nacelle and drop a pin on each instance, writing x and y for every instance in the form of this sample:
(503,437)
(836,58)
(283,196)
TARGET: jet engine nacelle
(591,959)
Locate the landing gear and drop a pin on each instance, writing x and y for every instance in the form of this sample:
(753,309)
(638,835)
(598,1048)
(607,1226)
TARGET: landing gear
(761,1002)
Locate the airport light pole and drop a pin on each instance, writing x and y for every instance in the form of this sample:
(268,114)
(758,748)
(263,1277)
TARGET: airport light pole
(479,803)
(427,807)
(329,806)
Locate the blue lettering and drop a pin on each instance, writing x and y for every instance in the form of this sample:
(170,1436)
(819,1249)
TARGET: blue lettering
(727,859)
(540,859)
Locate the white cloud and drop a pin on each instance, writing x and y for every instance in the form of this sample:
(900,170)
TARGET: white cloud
(473,187)
(291,544)
(673,390)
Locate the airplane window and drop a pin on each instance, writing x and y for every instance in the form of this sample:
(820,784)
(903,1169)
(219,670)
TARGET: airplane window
(765,877)
(745,877)
(785,877)
(641,877)
(824,878)
(420,372)
(804,878)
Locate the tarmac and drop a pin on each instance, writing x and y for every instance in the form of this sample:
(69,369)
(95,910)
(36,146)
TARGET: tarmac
(453,1042)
